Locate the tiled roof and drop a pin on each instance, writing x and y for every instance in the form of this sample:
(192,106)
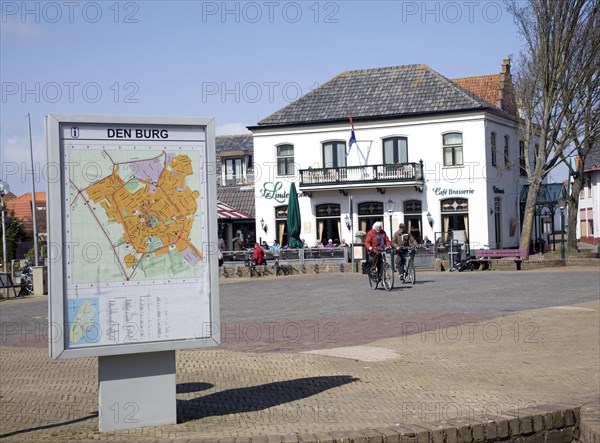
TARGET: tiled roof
(242,142)
(377,93)
(485,86)
(240,199)
(22,205)
(592,160)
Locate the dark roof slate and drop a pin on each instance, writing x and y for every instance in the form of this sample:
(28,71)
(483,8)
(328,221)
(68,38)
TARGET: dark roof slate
(240,199)
(377,93)
(226,143)
(592,160)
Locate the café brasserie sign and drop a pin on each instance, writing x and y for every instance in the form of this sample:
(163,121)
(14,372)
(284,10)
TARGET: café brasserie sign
(449,191)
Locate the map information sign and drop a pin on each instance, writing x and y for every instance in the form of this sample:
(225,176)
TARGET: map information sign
(135,242)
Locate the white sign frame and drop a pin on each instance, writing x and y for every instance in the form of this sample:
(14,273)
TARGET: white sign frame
(57,200)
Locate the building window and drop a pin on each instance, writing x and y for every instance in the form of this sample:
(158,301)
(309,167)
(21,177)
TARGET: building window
(506,152)
(285,160)
(522,165)
(281,224)
(455,219)
(233,169)
(329,222)
(494,148)
(334,154)
(413,211)
(369,213)
(453,150)
(395,150)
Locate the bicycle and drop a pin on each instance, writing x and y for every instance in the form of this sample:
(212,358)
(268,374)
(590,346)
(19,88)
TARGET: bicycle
(26,278)
(408,272)
(463,265)
(382,272)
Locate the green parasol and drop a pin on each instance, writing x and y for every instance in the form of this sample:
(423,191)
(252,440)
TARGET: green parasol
(294,221)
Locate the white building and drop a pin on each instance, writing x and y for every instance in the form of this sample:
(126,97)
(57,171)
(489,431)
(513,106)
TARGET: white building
(442,150)
(588,225)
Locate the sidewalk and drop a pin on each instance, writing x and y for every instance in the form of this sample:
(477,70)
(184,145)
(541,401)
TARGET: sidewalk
(472,378)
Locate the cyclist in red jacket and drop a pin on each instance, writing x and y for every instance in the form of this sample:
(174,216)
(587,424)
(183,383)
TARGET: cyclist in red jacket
(376,241)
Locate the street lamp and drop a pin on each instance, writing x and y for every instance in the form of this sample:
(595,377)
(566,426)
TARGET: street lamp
(562,202)
(263,225)
(4,189)
(429,219)
(347,221)
(391,205)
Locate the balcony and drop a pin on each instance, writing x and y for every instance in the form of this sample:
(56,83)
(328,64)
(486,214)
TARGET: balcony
(357,177)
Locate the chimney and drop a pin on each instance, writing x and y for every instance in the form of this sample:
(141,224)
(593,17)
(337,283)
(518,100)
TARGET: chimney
(506,96)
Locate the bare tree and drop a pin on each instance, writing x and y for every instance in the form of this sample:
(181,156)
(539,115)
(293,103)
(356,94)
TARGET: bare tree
(544,85)
(583,110)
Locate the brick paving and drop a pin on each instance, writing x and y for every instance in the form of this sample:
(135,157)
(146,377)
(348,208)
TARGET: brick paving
(475,367)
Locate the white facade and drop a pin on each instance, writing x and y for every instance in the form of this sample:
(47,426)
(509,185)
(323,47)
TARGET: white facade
(588,223)
(491,192)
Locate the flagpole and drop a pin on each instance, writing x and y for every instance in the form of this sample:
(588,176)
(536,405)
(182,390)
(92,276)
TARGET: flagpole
(33,204)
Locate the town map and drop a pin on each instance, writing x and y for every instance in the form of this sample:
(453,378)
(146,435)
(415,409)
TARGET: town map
(133,216)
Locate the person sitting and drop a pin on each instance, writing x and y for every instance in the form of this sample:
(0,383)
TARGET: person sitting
(400,241)
(275,246)
(330,244)
(318,244)
(375,242)
(264,245)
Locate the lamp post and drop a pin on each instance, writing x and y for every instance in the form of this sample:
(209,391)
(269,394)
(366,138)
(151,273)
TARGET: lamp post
(562,202)
(391,205)
(4,189)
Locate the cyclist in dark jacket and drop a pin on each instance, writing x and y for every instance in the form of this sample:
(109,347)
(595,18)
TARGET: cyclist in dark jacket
(400,241)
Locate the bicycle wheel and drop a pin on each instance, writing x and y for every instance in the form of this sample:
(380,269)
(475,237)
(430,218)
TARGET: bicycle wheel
(388,277)
(373,279)
(411,275)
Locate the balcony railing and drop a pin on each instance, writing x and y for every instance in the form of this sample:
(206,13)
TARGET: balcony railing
(372,175)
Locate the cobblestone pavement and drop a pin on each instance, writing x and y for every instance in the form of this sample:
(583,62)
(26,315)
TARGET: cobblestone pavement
(442,353)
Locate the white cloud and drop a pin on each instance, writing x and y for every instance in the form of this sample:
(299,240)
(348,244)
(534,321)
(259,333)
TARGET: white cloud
(231,129)
(19,29)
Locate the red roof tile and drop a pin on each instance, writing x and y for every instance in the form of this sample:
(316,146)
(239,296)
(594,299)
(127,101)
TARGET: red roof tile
(22,205)
(486,87)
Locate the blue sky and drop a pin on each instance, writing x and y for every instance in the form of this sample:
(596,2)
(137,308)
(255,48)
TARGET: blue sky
(235,61)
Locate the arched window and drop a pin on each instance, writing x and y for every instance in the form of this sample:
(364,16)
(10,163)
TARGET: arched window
(413,215)
(329,222)
(455,219)
(395,150)
(285,160)
(494,148)
(281,224)
(369,213)
(453,149)
(334,154)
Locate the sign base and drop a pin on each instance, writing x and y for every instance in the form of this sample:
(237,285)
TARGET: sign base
(137,390)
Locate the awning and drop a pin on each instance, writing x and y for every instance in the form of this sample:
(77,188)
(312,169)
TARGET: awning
(224,211)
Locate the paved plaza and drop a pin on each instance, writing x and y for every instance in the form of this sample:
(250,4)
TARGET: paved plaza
(323,357)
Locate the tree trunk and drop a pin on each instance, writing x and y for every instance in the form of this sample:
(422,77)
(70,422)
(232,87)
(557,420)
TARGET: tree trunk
(529,215)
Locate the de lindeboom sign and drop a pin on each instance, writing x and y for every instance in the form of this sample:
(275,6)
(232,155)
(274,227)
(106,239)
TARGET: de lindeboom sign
(272,191)
(448,191)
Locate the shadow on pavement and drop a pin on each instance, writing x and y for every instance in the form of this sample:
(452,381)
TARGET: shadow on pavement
(256,398)
(184,388)
(50,426)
